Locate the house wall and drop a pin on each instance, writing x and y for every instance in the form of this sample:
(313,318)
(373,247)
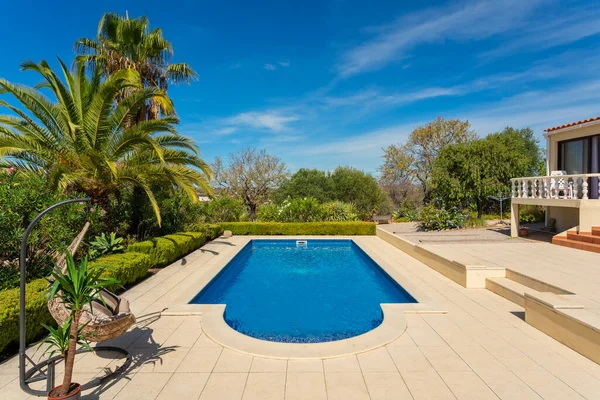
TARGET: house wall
(589,215)
(566,218)
(575,132)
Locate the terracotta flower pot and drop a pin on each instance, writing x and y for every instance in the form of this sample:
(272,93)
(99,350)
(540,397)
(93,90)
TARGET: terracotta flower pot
(74,393)
(523,232)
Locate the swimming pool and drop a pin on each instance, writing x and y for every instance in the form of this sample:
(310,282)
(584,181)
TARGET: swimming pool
(311,292)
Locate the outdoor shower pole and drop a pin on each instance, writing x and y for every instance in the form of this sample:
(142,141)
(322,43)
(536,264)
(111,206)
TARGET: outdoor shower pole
(22,266)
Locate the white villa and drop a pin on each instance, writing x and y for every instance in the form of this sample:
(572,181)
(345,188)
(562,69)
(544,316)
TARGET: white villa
(570,190)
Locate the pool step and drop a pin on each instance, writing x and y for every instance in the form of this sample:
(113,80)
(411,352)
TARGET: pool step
(509,289)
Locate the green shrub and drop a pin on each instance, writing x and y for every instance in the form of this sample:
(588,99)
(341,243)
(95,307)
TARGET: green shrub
(22,197)
(186,242)
(127,268)
(529,214)
(214,231)
(224,209)
(434,218)
(37,313)
(299,228)
(161,251)
(337,211)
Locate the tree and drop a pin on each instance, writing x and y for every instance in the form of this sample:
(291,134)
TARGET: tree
(123,43)
(425,143)
(396,176)
(83,142)
(467,173)
(361,189)
(250,176)
(306,183)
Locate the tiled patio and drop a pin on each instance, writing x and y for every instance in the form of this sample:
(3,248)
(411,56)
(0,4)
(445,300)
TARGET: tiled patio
(480,349)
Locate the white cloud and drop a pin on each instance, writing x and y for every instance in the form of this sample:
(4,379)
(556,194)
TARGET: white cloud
(475,21)
(284,63)
(274,121)
(270,67)
(228,130)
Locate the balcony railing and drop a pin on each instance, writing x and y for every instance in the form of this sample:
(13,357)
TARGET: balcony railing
(569,187)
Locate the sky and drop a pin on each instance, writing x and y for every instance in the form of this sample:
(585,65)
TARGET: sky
(331,82)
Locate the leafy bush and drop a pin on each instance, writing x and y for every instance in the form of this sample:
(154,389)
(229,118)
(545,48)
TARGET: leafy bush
(36,308)
(307,228)
(433,218)
(224,209)
(127,268)
(186,242)
(529,214)
(22,197)
(407,211)
(339,211)
(103,245)
(211,231)
(161,251)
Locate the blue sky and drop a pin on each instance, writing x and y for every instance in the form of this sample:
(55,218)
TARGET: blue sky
(331,82)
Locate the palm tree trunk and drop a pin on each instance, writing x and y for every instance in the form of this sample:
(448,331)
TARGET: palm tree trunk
(70,358)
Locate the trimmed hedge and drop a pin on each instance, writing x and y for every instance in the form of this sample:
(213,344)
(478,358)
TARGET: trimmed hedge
(212,231)
(37,313)
(186,242)
(161,251)
(127,268)
(300,228)
(166,249)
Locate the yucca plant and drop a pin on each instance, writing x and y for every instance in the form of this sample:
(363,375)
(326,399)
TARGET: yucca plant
(76,287)
(104,245)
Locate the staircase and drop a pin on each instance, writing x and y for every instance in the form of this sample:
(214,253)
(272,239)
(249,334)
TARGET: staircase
(589,241)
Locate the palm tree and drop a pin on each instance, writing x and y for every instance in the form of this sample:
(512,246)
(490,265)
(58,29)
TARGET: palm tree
(87,142)
(123,43)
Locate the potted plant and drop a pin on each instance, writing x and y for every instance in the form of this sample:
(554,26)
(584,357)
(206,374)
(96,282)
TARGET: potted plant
(76,287)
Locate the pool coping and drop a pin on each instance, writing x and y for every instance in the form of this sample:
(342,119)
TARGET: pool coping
(215,327)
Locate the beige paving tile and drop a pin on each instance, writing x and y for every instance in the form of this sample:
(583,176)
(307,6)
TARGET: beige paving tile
(425,336)
(582,382)
(166,362)
(426,385)
(507,386)
(305,386)
(547,385)
(144,386)
(224,386)
(200,360)
(346,386)
(186,385)
(265,386)
(342,364)
(5,379)
(403,341)
(268,365)
(386,386)
(478,358)
(305,366)
(186,334)
(232,361)
(377,360)
(205,341)
(444,359)
(467,385)
(409,359)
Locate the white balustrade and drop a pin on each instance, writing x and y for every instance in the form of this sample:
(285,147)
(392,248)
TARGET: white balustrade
(569,187)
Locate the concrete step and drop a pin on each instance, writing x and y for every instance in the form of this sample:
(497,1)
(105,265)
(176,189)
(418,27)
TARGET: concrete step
(509,289)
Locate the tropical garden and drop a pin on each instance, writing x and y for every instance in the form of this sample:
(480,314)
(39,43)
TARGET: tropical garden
(102,126)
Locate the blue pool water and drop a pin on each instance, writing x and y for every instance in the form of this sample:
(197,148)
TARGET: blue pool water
(327,290)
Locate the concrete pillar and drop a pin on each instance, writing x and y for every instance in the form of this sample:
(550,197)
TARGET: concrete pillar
(514,219)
